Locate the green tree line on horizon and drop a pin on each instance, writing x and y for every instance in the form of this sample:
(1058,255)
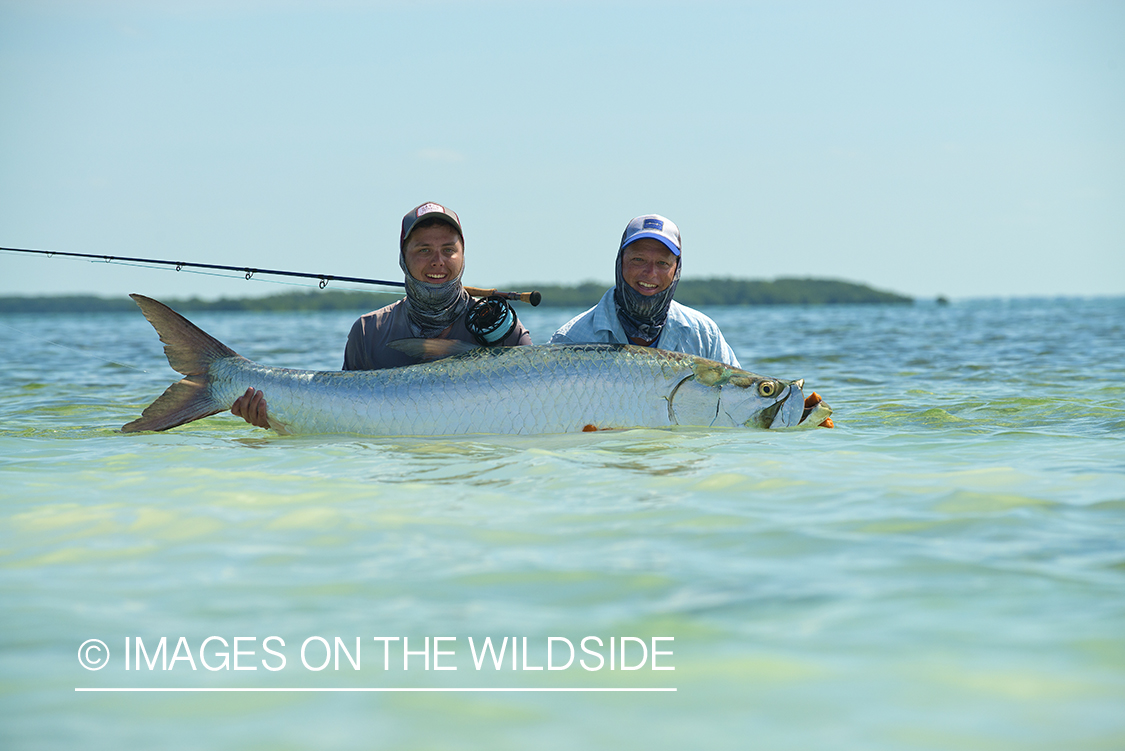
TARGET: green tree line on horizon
(693,292)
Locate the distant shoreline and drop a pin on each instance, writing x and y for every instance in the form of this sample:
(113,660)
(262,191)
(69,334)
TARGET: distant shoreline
(693,292)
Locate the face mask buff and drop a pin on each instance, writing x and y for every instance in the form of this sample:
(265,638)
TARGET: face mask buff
(432,308)
(642,316)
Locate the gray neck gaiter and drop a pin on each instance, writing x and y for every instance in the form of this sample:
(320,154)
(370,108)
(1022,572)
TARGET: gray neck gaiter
(431,308)
(642,316)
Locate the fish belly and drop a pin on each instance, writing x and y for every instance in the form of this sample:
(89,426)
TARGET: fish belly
(518,391)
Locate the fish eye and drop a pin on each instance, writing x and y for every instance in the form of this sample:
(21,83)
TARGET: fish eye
(767,388)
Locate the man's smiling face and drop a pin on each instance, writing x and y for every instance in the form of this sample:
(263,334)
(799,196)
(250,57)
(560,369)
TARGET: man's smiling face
(434,254)
(648,266)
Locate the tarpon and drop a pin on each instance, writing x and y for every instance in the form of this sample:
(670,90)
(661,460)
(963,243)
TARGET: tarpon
(520,390)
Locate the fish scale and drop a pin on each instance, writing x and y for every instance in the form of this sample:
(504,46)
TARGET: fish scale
(520,390)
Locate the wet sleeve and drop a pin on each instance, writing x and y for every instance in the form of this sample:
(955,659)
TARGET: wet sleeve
(578,330)
(559,338)
(723,352)
(520,337)
(354,351)
(731,358)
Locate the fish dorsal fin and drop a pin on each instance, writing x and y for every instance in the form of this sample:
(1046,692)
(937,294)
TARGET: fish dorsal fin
(428,350)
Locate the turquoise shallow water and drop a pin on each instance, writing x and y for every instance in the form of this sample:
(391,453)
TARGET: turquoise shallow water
(946,569)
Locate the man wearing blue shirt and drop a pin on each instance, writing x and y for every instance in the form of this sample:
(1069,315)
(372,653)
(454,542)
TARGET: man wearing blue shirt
(640,309)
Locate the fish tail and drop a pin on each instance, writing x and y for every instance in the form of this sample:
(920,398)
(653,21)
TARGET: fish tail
(190,351)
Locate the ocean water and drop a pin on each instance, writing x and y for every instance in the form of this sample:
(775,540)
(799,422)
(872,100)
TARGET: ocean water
(945,569)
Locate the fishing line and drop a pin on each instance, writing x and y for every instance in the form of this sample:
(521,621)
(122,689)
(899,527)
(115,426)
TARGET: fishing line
(72,349)
(250,272)
(234,276)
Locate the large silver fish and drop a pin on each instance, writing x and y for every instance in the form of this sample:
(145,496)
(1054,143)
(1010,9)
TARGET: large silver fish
(545,389)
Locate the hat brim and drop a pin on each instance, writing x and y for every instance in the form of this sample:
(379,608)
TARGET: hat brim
(432,216)
(655,236)
(413,218)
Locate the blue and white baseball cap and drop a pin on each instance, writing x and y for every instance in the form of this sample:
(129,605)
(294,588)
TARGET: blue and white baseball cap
(656,227)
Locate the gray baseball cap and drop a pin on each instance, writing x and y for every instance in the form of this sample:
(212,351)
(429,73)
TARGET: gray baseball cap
(429,210)
(656,227)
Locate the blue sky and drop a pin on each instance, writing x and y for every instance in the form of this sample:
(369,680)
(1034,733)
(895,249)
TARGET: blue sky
(965,149)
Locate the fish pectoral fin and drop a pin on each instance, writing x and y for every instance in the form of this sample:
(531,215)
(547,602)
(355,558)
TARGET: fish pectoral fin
(428,350)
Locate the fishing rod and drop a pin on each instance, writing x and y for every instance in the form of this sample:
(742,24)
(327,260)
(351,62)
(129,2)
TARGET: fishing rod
(533,297)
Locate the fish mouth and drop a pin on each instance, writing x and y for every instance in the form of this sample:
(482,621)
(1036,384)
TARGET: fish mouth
(816,413)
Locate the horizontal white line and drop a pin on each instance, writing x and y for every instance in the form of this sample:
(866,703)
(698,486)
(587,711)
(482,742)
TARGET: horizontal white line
(404,690)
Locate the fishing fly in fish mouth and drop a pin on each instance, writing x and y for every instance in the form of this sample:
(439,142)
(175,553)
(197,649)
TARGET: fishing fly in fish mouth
(514,390)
